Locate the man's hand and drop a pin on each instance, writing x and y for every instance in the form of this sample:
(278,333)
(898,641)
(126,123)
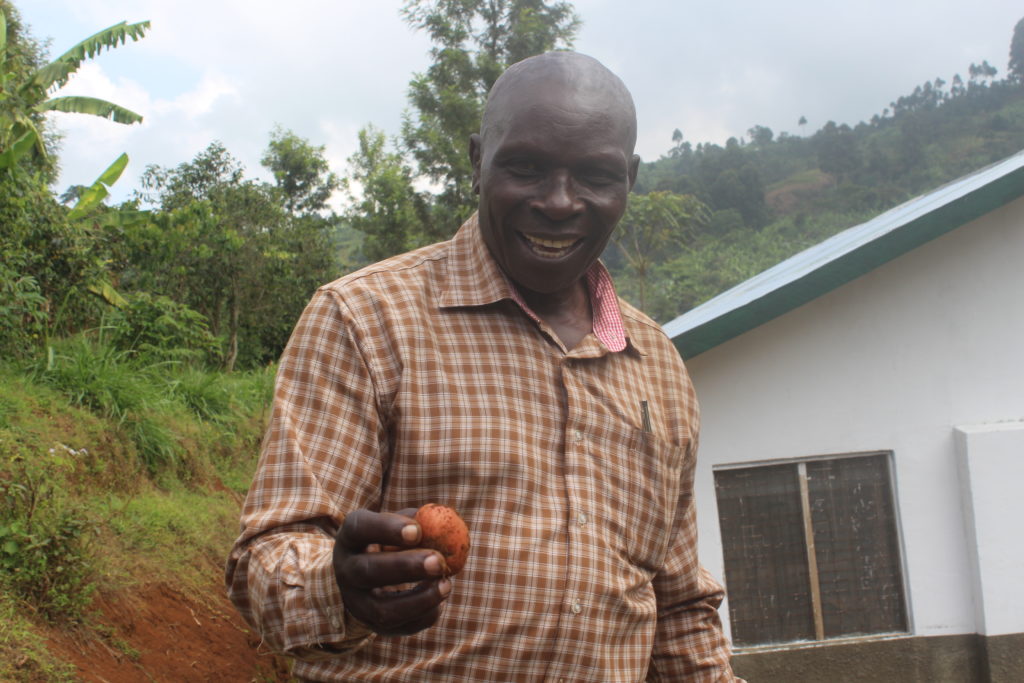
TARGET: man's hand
(364,575)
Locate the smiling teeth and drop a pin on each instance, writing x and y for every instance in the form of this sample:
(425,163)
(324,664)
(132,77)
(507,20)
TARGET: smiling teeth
(551,244)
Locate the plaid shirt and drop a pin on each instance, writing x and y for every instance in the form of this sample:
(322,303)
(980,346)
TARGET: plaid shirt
(424,378)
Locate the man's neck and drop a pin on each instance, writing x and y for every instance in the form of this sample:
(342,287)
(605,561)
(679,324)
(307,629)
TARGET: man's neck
(567,312)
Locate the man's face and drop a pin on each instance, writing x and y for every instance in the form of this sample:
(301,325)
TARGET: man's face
(553,176)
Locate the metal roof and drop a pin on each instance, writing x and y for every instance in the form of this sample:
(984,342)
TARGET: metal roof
(845,256)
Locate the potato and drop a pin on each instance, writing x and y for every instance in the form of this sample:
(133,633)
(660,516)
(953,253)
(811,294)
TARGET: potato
(444,531)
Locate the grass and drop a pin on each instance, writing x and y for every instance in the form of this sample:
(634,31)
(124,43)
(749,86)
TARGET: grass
(100,378)
(180,534)
(23,653)
(110,470)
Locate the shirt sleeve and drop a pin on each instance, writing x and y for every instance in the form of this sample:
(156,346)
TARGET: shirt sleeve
(321,458)
(689,643)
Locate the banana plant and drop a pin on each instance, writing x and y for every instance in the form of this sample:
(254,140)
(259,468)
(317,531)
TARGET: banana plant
(91,198)
(19,133)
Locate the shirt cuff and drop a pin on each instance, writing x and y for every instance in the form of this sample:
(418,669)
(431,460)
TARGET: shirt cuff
(346,633)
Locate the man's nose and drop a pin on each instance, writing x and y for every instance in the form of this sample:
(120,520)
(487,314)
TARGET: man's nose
(558,199)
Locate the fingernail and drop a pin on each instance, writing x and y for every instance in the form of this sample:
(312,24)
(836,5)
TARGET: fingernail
(432,564)
(445,587)
(410,533)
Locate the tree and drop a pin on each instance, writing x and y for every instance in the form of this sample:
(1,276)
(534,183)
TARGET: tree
(222,232)
(301,172)
(981,74)
(654,227)
(26,93)
(836,148)
(761,136)
(384,205)
(1015,70)
(473,43)
(55,258)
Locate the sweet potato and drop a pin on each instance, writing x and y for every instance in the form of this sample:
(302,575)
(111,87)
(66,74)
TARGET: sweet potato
(444,531)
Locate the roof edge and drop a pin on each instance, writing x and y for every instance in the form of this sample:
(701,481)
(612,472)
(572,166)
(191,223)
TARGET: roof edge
(704,335)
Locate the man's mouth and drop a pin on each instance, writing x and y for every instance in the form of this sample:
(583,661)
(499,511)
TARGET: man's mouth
(551,248)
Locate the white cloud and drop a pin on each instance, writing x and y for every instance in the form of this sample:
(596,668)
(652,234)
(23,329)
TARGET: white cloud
(232,69)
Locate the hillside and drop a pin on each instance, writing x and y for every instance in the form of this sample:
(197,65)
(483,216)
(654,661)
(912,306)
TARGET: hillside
(768,196)
(112,562)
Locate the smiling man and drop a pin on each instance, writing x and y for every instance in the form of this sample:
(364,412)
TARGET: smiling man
(553,166)
(497,373)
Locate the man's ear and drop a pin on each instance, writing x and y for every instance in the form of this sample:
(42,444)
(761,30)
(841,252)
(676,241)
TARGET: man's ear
(475,151)
(634,167)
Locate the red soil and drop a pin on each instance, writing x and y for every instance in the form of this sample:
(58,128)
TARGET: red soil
(160,634)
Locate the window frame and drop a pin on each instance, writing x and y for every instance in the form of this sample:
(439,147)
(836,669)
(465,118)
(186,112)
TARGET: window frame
(800,463)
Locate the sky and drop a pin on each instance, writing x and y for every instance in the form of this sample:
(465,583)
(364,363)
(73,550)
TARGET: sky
(232,70)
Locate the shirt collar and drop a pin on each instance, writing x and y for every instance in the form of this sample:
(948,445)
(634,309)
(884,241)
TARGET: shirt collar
(475,279)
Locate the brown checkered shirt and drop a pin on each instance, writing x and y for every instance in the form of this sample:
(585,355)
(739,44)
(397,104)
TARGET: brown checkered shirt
(422,379)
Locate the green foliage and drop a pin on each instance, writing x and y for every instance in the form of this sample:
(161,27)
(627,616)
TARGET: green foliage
(205,394)
(99,377)
(157,329)
(44,555)
(1016,63)
(56,73)
(175,523)
(301,172)
(780,194)
(79,104)
(655,227)
(387,210)
(49,257)
(22,310)
(473,43)
(91,197)
(26,86)
(221,243)
(24,655)
(22,128)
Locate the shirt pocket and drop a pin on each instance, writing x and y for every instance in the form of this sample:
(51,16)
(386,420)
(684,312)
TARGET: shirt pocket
(646,487)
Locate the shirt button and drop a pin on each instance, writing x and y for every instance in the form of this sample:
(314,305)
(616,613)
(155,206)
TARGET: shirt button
(581,519)
(577,607)
(335,620)
(579,436)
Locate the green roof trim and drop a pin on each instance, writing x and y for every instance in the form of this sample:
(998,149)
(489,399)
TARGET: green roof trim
(845,257)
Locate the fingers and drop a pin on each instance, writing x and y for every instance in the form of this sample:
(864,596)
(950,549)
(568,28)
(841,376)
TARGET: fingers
(373,570)
(370,581)
(403,612)
(364,527)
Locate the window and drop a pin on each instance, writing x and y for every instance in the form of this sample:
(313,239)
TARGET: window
(811,549)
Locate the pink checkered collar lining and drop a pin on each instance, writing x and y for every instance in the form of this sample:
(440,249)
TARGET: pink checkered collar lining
(604,303)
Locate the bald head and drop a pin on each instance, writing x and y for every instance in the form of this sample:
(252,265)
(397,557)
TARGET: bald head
(577,76)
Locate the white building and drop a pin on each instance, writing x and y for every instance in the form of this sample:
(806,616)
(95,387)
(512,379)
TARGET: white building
(860,485)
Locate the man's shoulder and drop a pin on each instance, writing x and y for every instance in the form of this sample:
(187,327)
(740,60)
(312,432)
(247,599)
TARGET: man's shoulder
(404,271)
(639,323)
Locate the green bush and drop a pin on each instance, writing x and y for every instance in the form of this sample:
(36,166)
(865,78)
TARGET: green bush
(104,379)
(158,329)
(60,260)
(205,394)
(22,310)
(44,555)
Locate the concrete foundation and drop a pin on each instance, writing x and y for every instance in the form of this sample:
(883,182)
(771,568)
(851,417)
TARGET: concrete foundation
(951,659)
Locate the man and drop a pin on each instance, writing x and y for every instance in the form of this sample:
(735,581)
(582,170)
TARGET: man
(497,373)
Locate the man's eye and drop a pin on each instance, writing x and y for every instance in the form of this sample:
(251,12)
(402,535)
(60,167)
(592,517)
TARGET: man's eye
(524,169)
(601,178)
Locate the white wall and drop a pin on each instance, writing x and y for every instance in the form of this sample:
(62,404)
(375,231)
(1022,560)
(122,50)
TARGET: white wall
(891,361)
(991,458)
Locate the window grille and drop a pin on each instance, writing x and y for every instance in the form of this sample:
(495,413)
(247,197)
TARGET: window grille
(811,550)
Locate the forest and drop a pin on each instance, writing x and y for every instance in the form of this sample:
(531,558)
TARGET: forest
(138,340)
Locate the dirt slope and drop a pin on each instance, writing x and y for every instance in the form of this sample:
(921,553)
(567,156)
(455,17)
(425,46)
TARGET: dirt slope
(158,633)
